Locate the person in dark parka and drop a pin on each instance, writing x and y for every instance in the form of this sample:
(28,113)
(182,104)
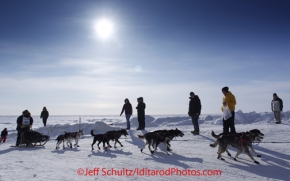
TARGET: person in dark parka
(128,112)
(24,123)
(194,111)
(44,115)
(141,113)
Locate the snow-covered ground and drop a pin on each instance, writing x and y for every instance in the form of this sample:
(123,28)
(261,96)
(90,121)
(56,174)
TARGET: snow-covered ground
(188,153)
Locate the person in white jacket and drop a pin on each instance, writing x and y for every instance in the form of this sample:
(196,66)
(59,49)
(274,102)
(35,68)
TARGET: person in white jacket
(277,107)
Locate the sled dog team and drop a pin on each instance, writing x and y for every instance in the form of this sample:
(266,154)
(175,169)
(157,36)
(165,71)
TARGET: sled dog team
(241,141)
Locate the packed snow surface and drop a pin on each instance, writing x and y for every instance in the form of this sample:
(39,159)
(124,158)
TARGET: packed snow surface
(191,156)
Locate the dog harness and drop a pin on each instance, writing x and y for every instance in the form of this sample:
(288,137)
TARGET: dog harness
(75,134)
(242,139)
(159,135)
(105,136)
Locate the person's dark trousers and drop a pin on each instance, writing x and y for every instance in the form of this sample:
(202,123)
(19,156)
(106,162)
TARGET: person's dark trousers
(141,120)
(229,124)
(139,123)
(143,123)
(18,137)
(194,119)
(44,121)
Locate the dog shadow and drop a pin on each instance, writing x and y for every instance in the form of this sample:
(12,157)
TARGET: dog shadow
(271,171)
(62,151)
(120,152)
(102,153)
(173,159)
(111,153)
(277,165)
(207,138)
(271,152)
(135,140)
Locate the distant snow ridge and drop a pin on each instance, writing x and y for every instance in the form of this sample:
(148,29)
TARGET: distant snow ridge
(172,121)
(134,122)
(208,118)
(240,118)
(253,117)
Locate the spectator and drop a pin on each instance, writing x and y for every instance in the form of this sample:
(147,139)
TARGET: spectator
(127,107)
(230,101)
(277,107)
(194,111)
(44,115)
(141,113)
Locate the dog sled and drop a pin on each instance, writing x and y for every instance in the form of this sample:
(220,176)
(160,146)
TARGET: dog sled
(32,138)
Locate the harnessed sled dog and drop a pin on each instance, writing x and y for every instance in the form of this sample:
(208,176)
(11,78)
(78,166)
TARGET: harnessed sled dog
(256,136)
(169,134)
(109,135)
(68,137)
(153,137)
(241,141)
(159,136)
(100,138)
(115,136)
(61,139)
(75,136)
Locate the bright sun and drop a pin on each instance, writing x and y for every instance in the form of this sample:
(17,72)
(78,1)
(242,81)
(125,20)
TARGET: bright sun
(104,28)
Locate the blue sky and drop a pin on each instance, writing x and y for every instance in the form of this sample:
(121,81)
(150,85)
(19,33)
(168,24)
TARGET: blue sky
(51,56)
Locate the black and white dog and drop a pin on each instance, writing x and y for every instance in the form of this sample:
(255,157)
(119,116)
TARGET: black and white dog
(152,138)
(75,136)
(169,134)
(61,139)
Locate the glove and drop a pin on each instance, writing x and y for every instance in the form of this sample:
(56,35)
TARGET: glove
(22,126)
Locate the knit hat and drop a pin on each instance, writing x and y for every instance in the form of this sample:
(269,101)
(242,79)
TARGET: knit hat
(191,93)
(226,89)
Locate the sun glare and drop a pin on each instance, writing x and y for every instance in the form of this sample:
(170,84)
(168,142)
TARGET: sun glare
(104,28)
